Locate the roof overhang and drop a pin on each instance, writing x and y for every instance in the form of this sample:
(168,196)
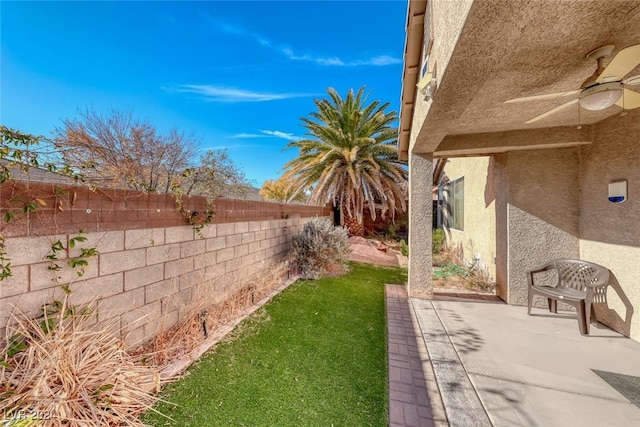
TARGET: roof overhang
(509,49)
(410,73)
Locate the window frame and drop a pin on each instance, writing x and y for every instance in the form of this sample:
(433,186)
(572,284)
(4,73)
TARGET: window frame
(456,204)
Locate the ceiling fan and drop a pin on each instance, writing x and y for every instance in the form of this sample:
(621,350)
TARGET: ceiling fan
(604,88)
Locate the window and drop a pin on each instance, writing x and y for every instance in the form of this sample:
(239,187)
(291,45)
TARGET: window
(427,41)
(456,204)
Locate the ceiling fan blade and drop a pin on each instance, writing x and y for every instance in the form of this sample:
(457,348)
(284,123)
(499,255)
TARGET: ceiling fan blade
(554,110)
(625,61)
(629,100)
(631,81)
(542,97)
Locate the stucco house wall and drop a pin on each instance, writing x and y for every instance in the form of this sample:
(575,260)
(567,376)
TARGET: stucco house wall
(479,234)
(542,217)
(553,204)
(610,233)
(447,20)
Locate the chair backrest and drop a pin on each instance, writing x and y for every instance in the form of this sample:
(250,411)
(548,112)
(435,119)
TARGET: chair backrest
(577,274)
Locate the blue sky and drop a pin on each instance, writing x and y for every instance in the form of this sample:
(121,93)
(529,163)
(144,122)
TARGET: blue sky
(238,74)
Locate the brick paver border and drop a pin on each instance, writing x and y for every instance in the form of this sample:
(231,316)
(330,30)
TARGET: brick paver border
(414,398)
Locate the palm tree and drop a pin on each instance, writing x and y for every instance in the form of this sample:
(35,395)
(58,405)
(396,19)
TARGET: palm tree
(350,158)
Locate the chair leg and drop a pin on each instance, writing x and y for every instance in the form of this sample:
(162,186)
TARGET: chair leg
(553,305)
(583,324)
(587,315)
(529,302)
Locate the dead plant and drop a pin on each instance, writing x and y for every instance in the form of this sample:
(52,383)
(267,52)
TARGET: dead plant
(202,319)
(63,370)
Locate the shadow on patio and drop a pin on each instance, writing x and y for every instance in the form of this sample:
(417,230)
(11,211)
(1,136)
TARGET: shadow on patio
(496,365)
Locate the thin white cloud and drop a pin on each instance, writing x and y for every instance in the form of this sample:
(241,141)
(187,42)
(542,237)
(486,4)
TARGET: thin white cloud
(289,53)
(247,135)
(212,93)
(267,134)
(381,60)
(279,134)
(377,61)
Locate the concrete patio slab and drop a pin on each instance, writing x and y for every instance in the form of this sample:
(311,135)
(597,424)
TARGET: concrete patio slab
(531,370)
(462,405)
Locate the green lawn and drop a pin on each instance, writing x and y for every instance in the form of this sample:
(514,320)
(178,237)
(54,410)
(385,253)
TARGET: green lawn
(314,356)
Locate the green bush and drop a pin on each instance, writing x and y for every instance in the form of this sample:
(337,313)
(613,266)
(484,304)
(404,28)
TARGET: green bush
(404,248)
(437,240)
(320,248)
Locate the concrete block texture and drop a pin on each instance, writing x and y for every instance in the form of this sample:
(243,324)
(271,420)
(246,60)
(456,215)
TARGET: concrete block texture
(224,254)
(116,305)
(143,276)
(205,260)
(143,238)
(43,275)
(162,289)
(145,279)
(208,231)
(15,284)
(30,250)
(240,227)
(233,240)
(160,254)
(122,261)
(29,303)
(215,243)
(178,267)
(241,250)
(104,242)
(179,234)
(194,247)
(89,291)
(142,315)
(225,229)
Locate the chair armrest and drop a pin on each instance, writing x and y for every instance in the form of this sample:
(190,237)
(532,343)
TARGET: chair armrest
(601,279)
(548,266)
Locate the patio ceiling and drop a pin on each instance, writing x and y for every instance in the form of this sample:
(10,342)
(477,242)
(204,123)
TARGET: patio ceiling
(509,49)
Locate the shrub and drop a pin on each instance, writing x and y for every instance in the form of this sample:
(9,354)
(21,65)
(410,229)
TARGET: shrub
(68,371)
(437,240)
(404,248)
(320,248)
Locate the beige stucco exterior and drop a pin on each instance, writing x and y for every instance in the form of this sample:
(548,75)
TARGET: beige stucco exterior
(478,236)
(447,20)
(539,190)
(610,233)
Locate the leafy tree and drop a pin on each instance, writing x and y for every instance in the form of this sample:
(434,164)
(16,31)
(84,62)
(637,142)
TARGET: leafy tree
(280,191)
(350,158)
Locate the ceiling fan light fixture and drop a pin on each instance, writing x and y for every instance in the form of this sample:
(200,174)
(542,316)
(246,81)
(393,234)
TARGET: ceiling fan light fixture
(600,97)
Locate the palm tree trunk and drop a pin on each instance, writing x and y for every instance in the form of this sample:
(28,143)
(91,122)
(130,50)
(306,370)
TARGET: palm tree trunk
(354,227)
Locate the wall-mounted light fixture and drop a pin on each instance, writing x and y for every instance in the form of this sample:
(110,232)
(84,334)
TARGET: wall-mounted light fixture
(428,84)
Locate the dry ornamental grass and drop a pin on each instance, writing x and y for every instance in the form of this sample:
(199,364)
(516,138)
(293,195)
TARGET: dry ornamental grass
(72,374)
(65,370)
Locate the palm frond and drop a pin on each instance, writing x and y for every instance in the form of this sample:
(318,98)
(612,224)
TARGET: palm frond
(349,156)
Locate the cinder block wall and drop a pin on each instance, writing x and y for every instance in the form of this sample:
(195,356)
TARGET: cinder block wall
(151,267)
